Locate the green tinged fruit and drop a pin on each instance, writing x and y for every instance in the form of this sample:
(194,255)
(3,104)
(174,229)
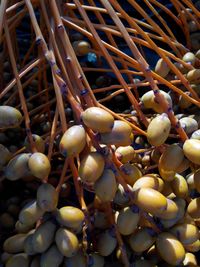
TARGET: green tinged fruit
(106,186)
(39,165)
(91,167)
(158,130)
(120,135)
(67,242)
(98,119)
(150,200)
(142,240)
(43,237)
(18,260)
(127,220)
(73,141)
(106,243)
(14,244)
(17,167)
(70,217)
(47,197)
(191,150)
(30,213)
(9,117)
(51,258)
(170,248)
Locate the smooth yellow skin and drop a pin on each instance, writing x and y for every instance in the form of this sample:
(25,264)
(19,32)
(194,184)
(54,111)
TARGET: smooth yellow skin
(14,244)
(43,237)
(193,76)
(193,208)
(158,130)
(106,243)
(106,186)
(10,117)
(91,167)
(190,181)
(125,153)
(39,165)
(67,242)
(191,150)
(120,134)
(148,100)
(170,212)
(47,197)
(51,258)
(189,57)
(197,180)
(81,47)
(18,260)
(70,217)
(170,249)
(149,182)
(131,173)
(73,141)
(186,233)
(190,260)
(150,200)
(179,186)
(167,223)
(166,175)
(162,68)
(141,240)
(18,167)
(30,213)
(127,221)
(171,158)
(194,247)
(98,119)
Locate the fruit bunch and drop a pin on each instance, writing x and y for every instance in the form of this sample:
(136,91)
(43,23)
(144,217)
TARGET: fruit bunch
(99,169)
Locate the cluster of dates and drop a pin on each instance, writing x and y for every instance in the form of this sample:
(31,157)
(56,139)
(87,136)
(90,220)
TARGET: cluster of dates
(156,214)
